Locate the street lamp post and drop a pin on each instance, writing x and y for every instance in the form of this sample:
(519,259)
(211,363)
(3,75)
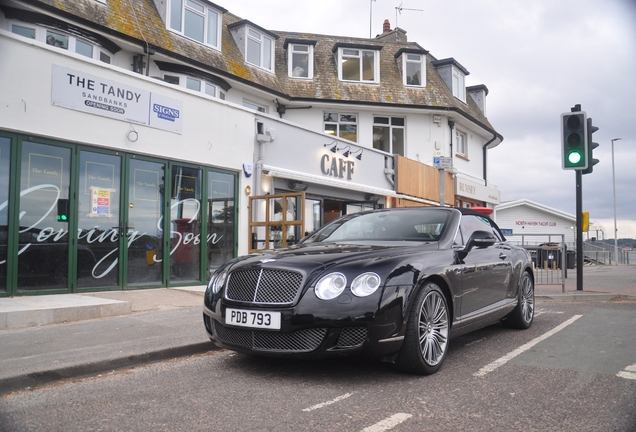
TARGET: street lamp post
(614,190)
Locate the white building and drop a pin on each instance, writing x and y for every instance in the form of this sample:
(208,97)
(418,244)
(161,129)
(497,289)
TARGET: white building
(141,148)
(530,223)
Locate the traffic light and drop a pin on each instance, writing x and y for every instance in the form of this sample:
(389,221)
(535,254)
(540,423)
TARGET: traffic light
(591,145)
(585,219)
(62,210)
(574,150)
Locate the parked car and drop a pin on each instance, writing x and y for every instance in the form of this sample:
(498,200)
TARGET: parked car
(395,284)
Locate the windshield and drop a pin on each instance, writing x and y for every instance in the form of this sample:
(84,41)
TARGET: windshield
(409,225)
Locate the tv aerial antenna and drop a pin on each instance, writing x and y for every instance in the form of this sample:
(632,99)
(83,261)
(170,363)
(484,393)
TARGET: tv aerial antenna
(399,9)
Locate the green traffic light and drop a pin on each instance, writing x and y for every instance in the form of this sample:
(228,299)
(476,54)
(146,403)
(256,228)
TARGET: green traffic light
(574,157)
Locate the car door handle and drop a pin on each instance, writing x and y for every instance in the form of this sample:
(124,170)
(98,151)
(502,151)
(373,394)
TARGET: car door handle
(503,256)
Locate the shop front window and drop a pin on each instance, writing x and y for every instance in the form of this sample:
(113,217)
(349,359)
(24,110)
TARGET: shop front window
(98,220)
(145,222)
(43,251)
(185,219)
(221,218)
(5,163)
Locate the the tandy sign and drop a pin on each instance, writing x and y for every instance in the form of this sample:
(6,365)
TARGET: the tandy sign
(95,95)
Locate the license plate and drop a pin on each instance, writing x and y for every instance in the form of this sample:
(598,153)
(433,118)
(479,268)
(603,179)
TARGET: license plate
(253,318)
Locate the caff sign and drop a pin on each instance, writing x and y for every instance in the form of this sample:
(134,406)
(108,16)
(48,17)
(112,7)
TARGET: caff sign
(337,167)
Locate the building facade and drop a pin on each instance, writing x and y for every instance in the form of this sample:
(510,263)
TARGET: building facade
(531,223)
(142,147)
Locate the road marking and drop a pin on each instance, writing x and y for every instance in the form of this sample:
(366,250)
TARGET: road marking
(628,373)
(324,404)
(505,359)
(475,342)
(388,423)
(538,312)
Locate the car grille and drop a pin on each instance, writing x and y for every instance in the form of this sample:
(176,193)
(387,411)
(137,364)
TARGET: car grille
(352,337)
(298,341)
(264,286)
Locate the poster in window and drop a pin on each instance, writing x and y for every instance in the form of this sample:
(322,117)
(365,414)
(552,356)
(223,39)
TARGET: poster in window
(44,169)
(99,175)
(185,187)
(146,185)
(220,189)
(100,202)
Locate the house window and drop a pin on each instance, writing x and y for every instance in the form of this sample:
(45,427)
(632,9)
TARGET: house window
(462,144)
(195,21)
(413,69)
(260,49)
(196,85)
(388,134)
(459,85)
(358,65)
(28,32)
(341,125)
(301,64)
(57,40)
(61,40)
(255,107)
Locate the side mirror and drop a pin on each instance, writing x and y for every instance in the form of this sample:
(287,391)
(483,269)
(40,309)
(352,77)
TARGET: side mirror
(481,239)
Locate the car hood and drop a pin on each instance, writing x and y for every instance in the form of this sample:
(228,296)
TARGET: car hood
(326,255)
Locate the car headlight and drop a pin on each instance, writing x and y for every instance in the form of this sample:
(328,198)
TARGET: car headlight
(217,281)
(331,286)
(365,284)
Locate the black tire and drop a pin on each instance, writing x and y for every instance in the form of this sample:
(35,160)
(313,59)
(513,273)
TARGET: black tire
(522,315)
(427,329)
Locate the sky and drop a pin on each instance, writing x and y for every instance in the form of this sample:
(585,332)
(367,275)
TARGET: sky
(538,59)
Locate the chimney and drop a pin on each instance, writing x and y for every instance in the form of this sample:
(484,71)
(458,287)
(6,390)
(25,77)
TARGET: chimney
(386,27)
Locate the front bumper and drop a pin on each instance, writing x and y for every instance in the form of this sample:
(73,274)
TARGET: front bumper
(335,329)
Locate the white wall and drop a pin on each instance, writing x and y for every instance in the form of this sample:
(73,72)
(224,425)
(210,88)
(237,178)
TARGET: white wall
(528,220)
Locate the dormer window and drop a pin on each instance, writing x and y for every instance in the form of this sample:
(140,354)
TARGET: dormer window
(454,75)
(260,49)
(412,65)
(358,64)
(255,43)
(196,21)
(413,69)
(300,58)
(459,85)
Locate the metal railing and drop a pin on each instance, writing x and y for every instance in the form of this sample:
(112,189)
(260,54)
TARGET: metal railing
(550,259)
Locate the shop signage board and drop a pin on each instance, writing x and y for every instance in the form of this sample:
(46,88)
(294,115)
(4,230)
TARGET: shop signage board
(92,94)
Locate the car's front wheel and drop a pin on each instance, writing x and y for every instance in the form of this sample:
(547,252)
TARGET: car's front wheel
(426,338)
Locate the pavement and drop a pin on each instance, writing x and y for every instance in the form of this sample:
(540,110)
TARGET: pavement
(51,338)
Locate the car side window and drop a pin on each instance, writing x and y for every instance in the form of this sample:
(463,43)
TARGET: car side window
(471,223)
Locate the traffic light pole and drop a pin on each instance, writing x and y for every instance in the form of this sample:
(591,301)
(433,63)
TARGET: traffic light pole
(579,230)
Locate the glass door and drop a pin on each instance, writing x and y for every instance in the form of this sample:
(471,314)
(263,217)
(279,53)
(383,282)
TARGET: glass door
(185,224)
(144,227)
(5,165)
(46,217)
(99,228)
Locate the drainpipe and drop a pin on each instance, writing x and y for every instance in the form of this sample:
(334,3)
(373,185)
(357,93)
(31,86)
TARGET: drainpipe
(485,149)
(451,125)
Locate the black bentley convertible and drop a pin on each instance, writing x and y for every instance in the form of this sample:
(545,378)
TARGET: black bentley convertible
(395,284)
